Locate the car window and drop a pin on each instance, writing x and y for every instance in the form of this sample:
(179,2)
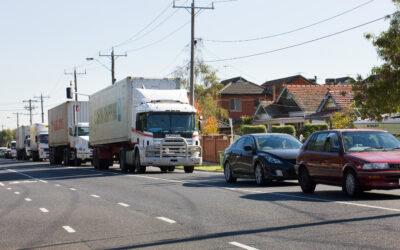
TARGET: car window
(357,141)
(248,142)
(332,143)
(240,143)
(311,142)
(318,142)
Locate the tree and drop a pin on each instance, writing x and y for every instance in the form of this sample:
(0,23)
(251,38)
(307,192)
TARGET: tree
(344,119)
(379,94)
(6,136)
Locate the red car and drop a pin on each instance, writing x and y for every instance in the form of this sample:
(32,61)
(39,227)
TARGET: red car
(358,160)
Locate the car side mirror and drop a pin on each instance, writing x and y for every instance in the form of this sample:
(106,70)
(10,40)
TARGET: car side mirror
(248,148)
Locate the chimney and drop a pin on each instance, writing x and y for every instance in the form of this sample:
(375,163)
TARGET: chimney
(273,92)
(315,77)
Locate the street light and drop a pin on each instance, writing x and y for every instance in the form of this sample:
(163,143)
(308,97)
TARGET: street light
(95,59)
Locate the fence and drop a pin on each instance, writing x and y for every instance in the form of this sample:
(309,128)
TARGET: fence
(211,144)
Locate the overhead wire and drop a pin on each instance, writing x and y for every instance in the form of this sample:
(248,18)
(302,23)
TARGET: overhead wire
(293,30)
(298,44)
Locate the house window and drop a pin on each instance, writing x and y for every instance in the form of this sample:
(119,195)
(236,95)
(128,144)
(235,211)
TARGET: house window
(235,105)
(256,102)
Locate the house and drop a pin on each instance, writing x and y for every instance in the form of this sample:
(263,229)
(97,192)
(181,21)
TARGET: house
(275,86)
(299,104)
(339,81)
(241,97)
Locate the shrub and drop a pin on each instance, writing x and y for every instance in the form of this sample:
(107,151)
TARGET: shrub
(286,129)
(311,128)
(250,129)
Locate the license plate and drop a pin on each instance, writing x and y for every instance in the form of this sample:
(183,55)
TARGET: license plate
(279,173)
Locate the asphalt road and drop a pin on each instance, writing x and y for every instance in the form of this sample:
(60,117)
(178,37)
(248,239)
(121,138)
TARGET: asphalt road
(45,206)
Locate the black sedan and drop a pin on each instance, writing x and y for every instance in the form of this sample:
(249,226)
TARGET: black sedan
(265,157)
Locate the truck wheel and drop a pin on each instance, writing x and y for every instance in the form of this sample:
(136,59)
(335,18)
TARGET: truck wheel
(122,161)
(171,168)
(66,157)
(77,161)
(139,168)
(188,169)
(164,169)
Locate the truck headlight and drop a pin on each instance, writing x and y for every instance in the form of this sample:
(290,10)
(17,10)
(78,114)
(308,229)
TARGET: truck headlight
(375,166)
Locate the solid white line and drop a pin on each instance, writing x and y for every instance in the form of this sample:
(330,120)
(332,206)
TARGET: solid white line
(26,175)
(14,182)
(29,181)
(73,189)
(16,192)
(242,245)
(43,181)
(263,192)
(166,220)
(28,199)
(69,229)
(123,204)
(95,196)
(44,210)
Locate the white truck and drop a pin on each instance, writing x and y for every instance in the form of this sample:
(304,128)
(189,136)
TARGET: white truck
(69,133)
(144,122)
(39,141)
(23,143)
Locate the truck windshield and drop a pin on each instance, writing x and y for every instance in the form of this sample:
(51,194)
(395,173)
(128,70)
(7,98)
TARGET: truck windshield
(13,145)
(170,122)
(44,139)
(83,131)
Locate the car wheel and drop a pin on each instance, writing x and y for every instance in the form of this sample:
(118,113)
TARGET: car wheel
(229,178)
(351,185)
(188,169)
(171,168)
(306,183)
(259,175)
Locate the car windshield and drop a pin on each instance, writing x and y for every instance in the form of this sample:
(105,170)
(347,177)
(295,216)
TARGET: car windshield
(44,139)
(170,122)
(283,141)
(83,131)
(361,141)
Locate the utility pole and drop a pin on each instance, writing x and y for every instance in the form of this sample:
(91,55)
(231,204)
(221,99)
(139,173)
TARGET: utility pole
(192,44)
(41,103)
(76,81)
(30,108)
(113,57)
(17,117)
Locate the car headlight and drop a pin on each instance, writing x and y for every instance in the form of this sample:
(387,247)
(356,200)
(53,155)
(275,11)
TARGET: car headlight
(375,166)
(273,160)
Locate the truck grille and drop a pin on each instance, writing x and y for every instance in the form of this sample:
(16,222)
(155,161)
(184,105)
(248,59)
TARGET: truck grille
(173,147)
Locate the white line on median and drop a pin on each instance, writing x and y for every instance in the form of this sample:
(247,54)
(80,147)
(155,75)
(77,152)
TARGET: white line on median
(44,210)
(28,199)
(242,245)
(166,220)
(73,189)
(95,196)
(69,229)
(123,204)
(16,192)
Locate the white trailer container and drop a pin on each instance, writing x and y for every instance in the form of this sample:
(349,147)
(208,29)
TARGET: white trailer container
(23,143)
(69,133)
(144,122)
(39,141)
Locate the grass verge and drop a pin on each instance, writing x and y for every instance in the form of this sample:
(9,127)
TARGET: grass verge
(206,168)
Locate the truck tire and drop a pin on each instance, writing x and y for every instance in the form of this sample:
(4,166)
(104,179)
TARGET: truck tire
(122,160)
(96,163)
(164,169)
(77,162)
(66,157)
(139,168)
(171,168)
(188,169)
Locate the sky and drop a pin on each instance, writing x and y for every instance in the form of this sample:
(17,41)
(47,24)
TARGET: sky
(44,39)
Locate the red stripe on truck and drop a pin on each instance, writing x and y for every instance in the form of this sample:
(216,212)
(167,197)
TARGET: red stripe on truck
(140,133)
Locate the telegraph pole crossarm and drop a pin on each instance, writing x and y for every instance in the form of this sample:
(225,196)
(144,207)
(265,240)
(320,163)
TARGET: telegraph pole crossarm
(113,57)
(30,108)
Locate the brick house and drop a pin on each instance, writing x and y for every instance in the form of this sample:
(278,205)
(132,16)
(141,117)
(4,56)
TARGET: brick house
(241,97)
(276,86)
(299,104)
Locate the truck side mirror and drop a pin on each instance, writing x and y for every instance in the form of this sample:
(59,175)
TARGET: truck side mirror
(69,93)
(138,125)
(200,125)
(70,132)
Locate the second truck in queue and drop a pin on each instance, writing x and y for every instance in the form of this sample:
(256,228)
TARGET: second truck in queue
(144,122)
(69,133)
(39,141)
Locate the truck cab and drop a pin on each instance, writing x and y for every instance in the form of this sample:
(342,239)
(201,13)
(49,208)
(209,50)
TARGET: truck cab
(79,141)
(43,145)
(13,147)
(27,144)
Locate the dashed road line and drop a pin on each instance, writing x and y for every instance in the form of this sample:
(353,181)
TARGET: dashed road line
(69,229)
(235,243)
(14,182)
(44,210)
(123,204)
(1,184)
(95,196)
(57,185)
(9,188)
(16,192)
(26,175)
(166,220)
(28,199)
(43,181)
(73,189)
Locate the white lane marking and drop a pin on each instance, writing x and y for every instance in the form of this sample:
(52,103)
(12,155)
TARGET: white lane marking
(44,210)
(28,199)
(242,245)
(95,196)
(123,204)
(9,188)
(69,229)
(43,181)
(58,185)
(16,192)
(1,184)
(264,192)
(29,181)
(14,182)
(73,189)
(166,220)
(26,175)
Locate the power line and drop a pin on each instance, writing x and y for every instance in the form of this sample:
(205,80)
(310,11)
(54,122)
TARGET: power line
(298,44)
(291,31)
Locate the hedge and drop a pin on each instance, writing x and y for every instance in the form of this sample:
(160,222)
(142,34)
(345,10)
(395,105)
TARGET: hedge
(286,129)
(311,128)
(251,129)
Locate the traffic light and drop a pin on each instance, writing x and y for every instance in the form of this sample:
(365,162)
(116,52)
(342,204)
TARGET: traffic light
(69,93)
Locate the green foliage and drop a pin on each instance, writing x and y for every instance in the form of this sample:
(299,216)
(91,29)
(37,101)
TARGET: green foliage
(247,120)
(286,129)
(251,129)
(6,136)
(379,94)
(311,128)
(344,119)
